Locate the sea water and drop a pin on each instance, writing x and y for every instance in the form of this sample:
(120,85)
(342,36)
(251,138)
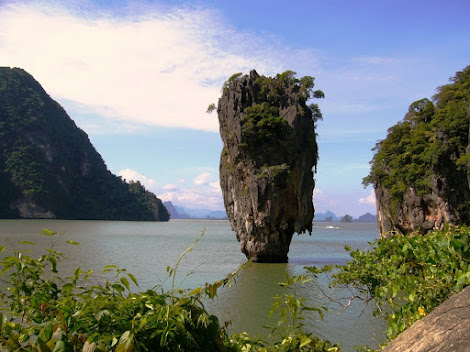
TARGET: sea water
(147,249)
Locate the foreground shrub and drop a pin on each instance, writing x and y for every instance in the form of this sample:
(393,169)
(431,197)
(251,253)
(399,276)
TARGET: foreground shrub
(407,276)
(42,311)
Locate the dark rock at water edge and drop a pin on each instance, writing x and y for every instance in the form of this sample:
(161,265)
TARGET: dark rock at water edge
(49,168)
(269,152)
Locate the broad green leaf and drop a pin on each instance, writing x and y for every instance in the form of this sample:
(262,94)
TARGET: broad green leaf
(46,232)
(73,242)
(101,314)
(305,342)
(54,264)
(125,343)
(89,347)
(43,347)
(134,280)
(195,291)
(125,282)
(46,332)
(59,346)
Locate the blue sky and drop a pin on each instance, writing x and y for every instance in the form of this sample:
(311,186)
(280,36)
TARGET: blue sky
(137,76)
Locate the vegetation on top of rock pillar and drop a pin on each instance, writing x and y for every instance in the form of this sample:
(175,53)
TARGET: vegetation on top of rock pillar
(432,138)
(273,90)
(262,124)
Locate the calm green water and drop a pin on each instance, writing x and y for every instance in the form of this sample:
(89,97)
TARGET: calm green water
(147,248)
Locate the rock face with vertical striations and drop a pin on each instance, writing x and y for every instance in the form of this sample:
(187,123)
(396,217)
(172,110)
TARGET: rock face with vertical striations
(421,171)
(267,162)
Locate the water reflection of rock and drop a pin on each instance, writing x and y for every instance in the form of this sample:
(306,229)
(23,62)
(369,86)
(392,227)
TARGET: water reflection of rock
(248,302)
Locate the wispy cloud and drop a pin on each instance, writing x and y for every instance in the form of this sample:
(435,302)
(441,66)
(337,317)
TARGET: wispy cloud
(132,175)
(155,67)
(170,187)
(203,197)
(202,179)
(370,199)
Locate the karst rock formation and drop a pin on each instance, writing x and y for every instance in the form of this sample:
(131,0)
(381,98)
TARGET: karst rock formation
(421,171)
(268,159)
(50,169)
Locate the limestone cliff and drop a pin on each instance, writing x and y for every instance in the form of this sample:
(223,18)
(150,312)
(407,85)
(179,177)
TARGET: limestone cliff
(267,162)
(49,168)
(421,171)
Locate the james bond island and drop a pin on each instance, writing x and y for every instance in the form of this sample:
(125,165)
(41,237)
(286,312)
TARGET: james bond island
(268,158)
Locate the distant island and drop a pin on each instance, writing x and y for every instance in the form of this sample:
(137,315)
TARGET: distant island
(329,216)
(177,212)
(49,168)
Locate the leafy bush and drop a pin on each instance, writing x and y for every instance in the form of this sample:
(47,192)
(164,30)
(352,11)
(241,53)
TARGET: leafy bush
(405,276)
(42,311)
(408,276)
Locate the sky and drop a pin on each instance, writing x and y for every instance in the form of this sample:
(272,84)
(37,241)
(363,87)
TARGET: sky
(138,76)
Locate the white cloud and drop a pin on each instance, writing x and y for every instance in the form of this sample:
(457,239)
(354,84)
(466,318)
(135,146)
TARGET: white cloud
(216,185)
(155,68)
(132,175)
(200,197)
(318,194)
(202,179)
(370,199)
(170,187)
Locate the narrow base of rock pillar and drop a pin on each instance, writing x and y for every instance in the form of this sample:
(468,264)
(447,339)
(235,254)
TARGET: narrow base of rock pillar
(269,259)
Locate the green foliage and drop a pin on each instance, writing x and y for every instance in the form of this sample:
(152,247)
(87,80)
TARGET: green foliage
(265,134)
(45,158)
(275,92)
(42,311)
(211,108)
(229,82)
(408,276)
(430,142)
(288,332)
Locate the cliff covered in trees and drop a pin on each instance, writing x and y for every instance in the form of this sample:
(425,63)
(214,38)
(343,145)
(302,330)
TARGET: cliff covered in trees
(421,170)
(49,168)
(269,153)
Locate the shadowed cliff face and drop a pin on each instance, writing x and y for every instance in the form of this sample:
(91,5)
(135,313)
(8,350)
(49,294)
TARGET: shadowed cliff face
(266,165)
(50,169)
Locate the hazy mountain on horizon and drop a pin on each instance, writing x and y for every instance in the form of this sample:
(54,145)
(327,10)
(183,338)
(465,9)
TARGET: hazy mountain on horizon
(325,215)
(179,212)
(368,217)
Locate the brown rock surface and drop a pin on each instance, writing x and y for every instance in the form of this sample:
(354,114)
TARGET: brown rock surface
(445,329)
(266,166)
